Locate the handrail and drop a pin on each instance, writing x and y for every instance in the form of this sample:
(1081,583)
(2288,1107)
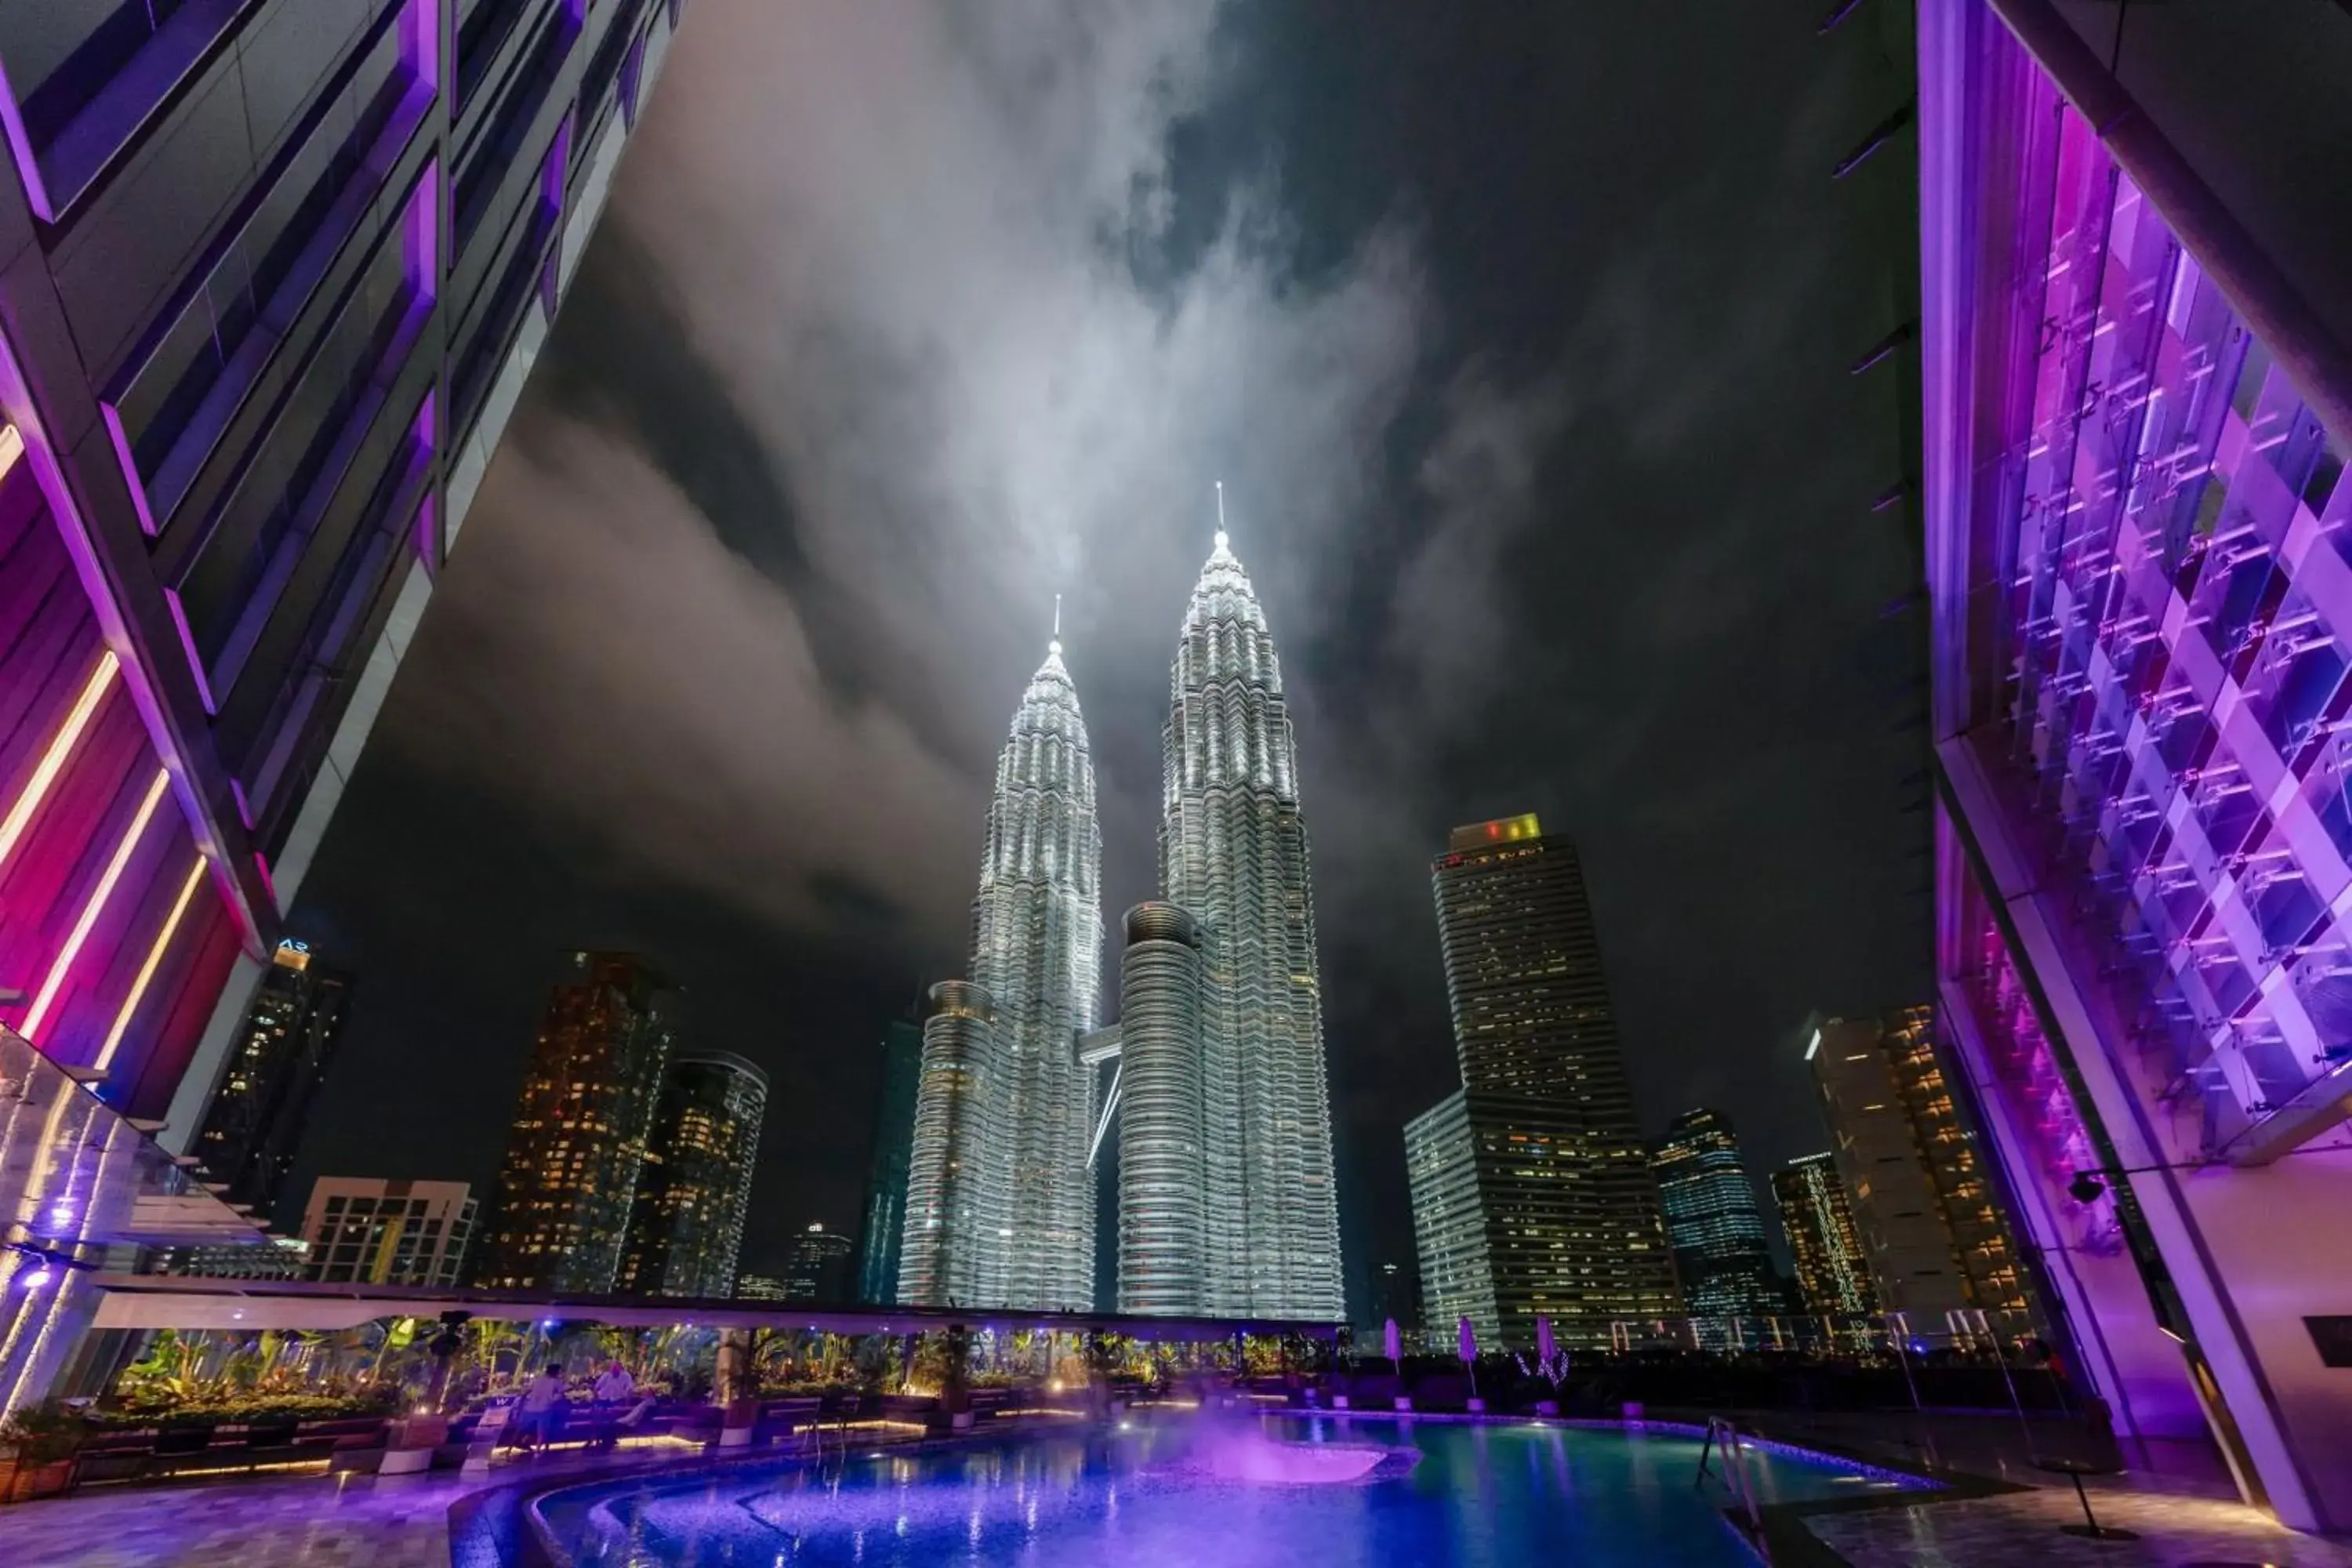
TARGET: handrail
(1724,1437)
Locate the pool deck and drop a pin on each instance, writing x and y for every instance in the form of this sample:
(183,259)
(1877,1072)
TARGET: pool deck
(2004,1516)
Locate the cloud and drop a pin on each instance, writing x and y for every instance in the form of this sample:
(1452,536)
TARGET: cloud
(868,323)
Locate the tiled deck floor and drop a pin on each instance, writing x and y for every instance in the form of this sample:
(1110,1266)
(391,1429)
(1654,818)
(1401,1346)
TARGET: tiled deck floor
(356,1522)
(2021,1530)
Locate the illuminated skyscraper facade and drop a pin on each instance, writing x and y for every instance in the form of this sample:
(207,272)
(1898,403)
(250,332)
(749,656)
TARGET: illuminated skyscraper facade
(560,1218)
(1003,1111)
(818,1269)
(1161,1138)
(1543,1125)
(1717,1235)
(361,1230)
(1939,1244)
(1833,1273)
(2137,412)
(272,273)
(279,1063)
(1233,856)
(694,1189)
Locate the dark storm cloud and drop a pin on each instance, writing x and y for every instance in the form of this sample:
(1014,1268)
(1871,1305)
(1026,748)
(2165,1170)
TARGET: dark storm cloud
(1517,334)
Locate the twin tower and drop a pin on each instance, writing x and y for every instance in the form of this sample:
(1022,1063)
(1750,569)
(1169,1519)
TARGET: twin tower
(1226,1205)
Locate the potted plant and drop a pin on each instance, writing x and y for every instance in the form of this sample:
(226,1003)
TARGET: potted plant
(43,1439)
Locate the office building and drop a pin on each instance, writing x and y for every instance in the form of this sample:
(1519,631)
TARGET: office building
(1162,1219)
(2138,410)
(363,1231)
(559,1217)
(948,1256)
(1939,1249)
(1233,856)
(281,1257)
(1833,1273)
(1721,1253)
(284,1047)
(1022,1232)
(818,1268)
(1531,1189)
(271,275)
(685,1228)
(886,1166)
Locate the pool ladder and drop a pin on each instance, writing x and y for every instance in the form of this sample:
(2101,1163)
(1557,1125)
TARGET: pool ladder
(1724,1437)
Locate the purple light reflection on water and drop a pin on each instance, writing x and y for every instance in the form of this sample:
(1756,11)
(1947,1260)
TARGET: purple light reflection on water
(1433,1493)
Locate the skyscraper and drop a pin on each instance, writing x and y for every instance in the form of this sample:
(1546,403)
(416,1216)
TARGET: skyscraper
(1937,1242)
(1712,1223)
(272,273)
(1233,856)
(1001,1201)
(886,1166)
(1533,1178)
(1161,1139)
(2137,418)
(818,1268)
(950,1256)
(1833,1273)
(365,1231)
(1036,950)
(282,1054)
(561,1213)
(686,1227)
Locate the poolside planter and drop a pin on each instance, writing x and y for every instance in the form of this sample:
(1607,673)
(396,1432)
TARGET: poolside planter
(742,1418)
(413,1443)
(27,1482)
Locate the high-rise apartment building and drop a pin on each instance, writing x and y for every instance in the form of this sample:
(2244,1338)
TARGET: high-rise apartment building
(281,1059)
(694,1189)
(561,1215)
(759,1287)
(2138,416)
(818,1267)
(1010,1099)
(1721,1253)
(271,275)
(364,1231)
(1938,1245)
(1833,1273)
(1531,1188)
(886,1166)
(1233,856)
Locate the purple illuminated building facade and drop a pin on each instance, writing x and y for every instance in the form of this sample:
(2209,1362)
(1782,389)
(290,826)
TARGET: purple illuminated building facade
(271,274)
(2139,548)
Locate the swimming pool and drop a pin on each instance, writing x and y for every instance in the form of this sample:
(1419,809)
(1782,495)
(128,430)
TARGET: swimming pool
(1162,1493)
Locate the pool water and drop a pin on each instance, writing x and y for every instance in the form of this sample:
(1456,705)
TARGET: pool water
(1489,1493)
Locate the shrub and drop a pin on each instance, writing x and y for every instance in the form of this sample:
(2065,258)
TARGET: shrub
(43,1433)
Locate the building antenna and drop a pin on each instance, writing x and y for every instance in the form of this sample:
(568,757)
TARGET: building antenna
(1221,514)
(1057,617)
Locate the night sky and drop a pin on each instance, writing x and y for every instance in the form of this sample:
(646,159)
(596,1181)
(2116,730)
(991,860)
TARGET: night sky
(1519,335)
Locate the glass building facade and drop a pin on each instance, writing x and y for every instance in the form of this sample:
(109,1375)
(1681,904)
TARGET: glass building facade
(1559,1191)
(283,1050)
(818,1267)
(271,275)
(1717,1235)
(886,1166)
(1162,1228)
(559,1217)
(1833,1273)
(694,1189)
(1233,856)
(2137,402)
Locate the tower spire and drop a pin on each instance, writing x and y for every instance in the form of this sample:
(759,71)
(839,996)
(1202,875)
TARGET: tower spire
(1221,514)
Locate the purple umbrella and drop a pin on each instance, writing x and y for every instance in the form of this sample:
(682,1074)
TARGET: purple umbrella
(1395,1343)
(1546,1347)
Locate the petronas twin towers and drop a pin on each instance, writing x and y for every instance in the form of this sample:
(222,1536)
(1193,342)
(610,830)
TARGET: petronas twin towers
(1226,1200)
